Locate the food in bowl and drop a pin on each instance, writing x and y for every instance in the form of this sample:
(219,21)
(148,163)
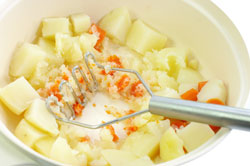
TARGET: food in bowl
(118,41)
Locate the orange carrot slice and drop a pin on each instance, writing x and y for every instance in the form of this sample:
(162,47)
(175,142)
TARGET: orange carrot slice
(123,82)
(190,95)
(136,89)
(200,85)
(215,128)
(215,101)
(115,59)
(112,131)
(100,33)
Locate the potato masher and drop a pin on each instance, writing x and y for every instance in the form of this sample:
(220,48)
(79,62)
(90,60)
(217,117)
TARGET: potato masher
(218,115)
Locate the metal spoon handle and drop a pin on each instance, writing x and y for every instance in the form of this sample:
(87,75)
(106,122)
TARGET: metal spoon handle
(225,116)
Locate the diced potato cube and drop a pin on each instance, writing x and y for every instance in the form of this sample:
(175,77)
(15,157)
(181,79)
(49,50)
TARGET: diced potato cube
(18,95)
(194,64)
(143,38)
(38,115)
(117,157)
(47,45)
(171,146)
(168,92)
(194,135)
(51,26)
(25,60)
(39,76)
(189,76)
(27,133)
(135,143)
(185,87)
(61,151)
(91,152)
(81,22)
(69,48)
(116,24)
(143,161)
(44,145)
(213,89)
(87,42)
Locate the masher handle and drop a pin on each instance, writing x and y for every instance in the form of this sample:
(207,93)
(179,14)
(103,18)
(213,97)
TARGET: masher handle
(224,116)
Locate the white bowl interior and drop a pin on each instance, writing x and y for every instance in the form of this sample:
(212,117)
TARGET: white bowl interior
(199,26)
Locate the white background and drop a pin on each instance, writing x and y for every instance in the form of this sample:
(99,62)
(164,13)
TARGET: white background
(233,151)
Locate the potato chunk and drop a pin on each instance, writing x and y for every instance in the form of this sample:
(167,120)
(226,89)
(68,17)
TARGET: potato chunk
(51,26)
(136,142)
(81,22)
(194,135)
(18,95)
(189,76)
(61,151)
(27,133)
(116,24)
(171,146)
(25,60)
(118,157)
(44,145)
(213,89)
(69,48)
(38,115)
(143,38)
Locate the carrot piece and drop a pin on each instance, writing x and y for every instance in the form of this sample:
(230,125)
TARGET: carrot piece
(84,139)
(112,131)
(178,123)
(136,89)
(130,112)
(215,128)
(215,101)
(115,60)
(200,85)
(103,72)
(190,95)
(131,129)
(77,107)
(65,77)
(100,33)
(123,82)
(54,90)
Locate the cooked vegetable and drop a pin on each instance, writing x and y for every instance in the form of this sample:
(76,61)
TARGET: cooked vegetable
(116,24)
(18,95)
(143,38)
(44,145)
(61,151)
(194,135)
(81,22)
(190,95)
(27,133)
(213,89)
(51,26)
(171,146)
(25,60)
(189,76)
(38,115)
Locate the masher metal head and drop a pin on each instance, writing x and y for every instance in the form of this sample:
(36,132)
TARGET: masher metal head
(218,115)
(92,87)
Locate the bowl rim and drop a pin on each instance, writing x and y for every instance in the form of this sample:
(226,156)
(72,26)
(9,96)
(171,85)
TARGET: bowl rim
(204,7)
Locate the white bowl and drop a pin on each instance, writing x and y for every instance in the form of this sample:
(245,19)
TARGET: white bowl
(199,25)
